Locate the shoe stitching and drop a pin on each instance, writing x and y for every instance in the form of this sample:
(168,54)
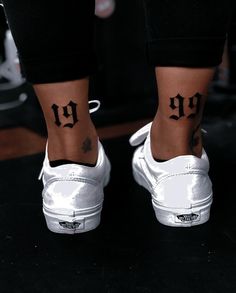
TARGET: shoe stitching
(75,213)
(72,179)
(163,177)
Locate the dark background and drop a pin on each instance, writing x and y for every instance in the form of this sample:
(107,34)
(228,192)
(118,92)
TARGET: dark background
(130,251)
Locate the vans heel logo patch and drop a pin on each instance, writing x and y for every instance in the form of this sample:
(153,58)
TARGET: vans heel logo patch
(188,217)
(70,225)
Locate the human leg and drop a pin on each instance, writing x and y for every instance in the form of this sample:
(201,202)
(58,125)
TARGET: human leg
(57,57)
(172,165)
(185,44)
(55,45)
(176,129)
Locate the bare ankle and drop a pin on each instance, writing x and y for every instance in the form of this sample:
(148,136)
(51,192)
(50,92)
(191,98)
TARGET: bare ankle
(75,147)
(168,142)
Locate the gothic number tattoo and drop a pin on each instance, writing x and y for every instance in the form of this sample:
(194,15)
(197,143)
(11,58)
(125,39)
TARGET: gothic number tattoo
(68,111)
(193,106)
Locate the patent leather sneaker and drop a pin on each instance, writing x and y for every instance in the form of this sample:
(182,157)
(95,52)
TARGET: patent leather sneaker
(181,189)
(73,194)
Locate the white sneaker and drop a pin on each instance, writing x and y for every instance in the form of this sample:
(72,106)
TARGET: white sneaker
(181,189)
(73,194)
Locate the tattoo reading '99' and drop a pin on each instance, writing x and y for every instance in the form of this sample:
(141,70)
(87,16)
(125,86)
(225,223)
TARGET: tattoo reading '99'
(180,107)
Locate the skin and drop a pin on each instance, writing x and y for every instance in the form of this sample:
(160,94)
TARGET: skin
(170,137)
(70,137)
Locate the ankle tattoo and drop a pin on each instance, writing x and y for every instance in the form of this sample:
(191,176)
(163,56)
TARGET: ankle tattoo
(69,112)
(180,107)
(87,145)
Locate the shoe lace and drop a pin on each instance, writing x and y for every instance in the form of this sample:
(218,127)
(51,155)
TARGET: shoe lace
(139,136)
(94,109)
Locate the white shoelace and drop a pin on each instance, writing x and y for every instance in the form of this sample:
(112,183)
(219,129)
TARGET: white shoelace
(98,104)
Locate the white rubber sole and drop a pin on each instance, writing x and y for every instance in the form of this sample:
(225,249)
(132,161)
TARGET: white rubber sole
(182,217)
(73,223)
